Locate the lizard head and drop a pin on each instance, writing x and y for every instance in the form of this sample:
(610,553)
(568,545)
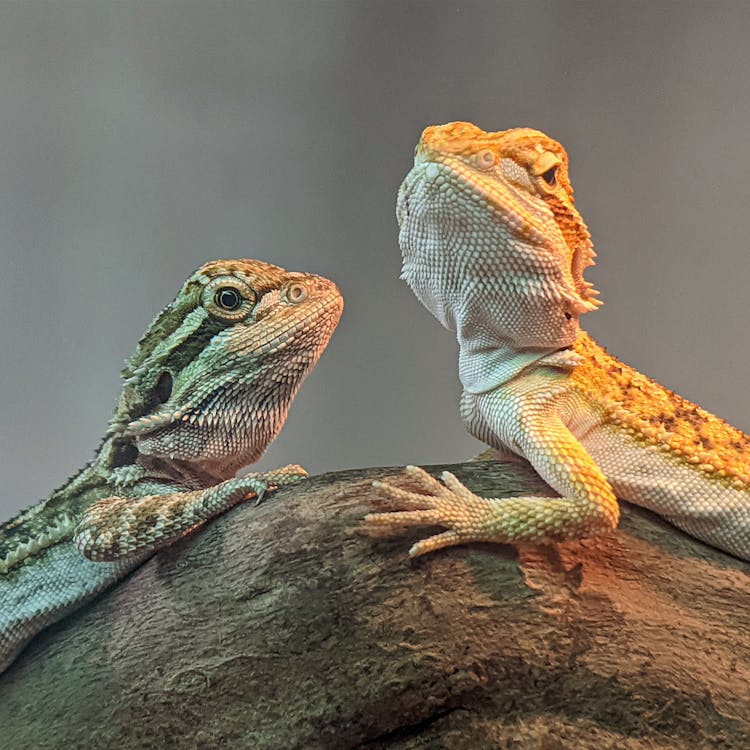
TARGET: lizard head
(491,240)
(213,377)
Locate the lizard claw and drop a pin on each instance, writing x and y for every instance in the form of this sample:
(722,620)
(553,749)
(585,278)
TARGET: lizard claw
(261,483)
(435,542)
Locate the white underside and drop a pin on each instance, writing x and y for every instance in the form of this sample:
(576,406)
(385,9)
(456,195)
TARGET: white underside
(694,502)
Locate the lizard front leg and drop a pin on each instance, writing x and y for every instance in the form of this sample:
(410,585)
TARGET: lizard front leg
(122,527)
(588,505)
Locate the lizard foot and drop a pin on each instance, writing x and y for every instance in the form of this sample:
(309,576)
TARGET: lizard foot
(262,482)
(449,504)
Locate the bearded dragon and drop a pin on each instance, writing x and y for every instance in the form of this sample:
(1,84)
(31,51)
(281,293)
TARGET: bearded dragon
(206,391)
(494,247)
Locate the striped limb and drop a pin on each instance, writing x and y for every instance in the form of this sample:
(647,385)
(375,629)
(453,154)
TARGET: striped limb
(122,527)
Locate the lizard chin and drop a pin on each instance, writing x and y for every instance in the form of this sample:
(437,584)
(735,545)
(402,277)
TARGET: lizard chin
(488,286)
(229,437)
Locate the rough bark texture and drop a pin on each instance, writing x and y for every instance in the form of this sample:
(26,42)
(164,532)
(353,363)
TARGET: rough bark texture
(283,626)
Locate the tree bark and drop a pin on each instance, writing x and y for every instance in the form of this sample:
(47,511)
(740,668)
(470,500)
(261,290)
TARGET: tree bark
(285,626)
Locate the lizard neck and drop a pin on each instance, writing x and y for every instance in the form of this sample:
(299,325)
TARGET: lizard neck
(486,363)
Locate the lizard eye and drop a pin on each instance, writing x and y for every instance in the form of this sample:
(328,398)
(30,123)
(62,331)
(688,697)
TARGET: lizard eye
(550,176)
(228,298)
(546,166)
(296,293)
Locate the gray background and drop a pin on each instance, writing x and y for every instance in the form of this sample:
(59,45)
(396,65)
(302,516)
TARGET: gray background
(138,140)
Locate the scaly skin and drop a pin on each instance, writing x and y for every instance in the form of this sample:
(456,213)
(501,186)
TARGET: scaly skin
(206,391)
(493,246)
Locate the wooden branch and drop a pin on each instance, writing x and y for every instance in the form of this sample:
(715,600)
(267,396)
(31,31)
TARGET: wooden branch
(283,626)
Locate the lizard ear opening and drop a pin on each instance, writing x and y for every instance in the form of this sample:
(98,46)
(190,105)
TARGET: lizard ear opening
(163,388)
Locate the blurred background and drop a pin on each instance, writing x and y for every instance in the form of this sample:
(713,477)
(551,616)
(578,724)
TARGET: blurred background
(140,139)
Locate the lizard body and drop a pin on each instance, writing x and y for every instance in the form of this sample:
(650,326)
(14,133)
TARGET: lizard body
(206,391)
(494,247)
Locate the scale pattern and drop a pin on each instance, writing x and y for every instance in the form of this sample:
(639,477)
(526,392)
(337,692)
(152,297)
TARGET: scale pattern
(494,247)
(653,415)
(206,391)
